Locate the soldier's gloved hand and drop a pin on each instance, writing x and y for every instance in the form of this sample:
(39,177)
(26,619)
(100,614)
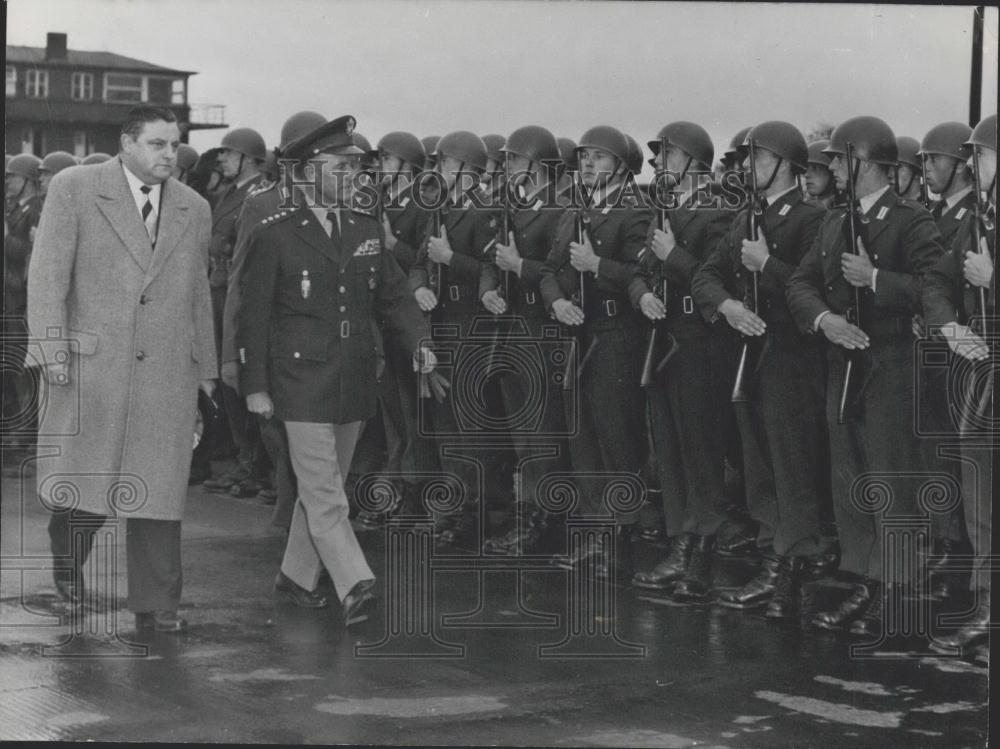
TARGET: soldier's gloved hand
(231,374)
(424,360)
(743,319)
(839,331)
(508,258)
(857,269)
(754,253)
(965,343)
(390,238)
(425,299)
(663,242)
(978,268)
(652,307)
(439,248)
(260,403)
(494,302)
(566,312)
(582,256)
(57,374)
(207,387)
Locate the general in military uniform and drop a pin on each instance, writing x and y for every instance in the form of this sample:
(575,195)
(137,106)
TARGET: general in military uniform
(316,278)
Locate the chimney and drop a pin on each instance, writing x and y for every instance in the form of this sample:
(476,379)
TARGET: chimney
(55,46)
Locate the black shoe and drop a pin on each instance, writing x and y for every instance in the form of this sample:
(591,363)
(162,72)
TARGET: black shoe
(696,585)
(816,566)
(160,621)
(526,539)
(941,569)
(588,557)
(70,591)
(853,606)
(737,539)
(758,591)
(370,520)
(785,603)
(360,603)
(307,599)
(972,633)
(652,534)
(870,624)
(667,573)
(461,537)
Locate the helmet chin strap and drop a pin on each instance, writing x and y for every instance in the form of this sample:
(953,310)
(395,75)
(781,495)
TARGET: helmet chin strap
(774,173)
(951,178)
(901,191)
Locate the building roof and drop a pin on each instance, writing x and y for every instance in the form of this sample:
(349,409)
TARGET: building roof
(78,58)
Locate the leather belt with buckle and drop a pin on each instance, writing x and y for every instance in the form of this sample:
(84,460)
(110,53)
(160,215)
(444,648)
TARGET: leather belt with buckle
(688,305)
(610,307)
(453,292)
(345,328)
(530,298)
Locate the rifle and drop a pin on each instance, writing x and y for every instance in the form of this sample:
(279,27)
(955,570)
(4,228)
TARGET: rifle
(979,392)
(569,376)
(849,407)
(751,297)
(662,345)
(502,238)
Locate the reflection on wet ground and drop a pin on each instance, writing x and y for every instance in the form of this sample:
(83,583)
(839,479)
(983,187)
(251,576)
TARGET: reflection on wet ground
(498,657)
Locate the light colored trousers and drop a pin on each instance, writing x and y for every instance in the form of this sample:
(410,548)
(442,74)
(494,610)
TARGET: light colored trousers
(321,534)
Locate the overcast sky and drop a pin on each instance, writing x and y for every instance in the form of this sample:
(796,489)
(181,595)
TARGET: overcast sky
(431,67)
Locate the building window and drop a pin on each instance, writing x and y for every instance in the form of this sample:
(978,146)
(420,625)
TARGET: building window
(83,143)
(124,88)
(177,92)
(11,80)
(36,84)
(33,141)
(83,86)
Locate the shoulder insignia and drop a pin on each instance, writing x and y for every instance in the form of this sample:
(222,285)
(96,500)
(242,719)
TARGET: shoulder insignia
(961,212)
(275,217)
(785,209)
(882,213)
(262,186)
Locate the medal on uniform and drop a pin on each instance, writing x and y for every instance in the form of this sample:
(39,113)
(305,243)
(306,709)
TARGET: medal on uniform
(305,285)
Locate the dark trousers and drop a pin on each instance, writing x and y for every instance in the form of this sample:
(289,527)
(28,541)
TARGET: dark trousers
(785,446)
(153,548)
(688,416)
(609,410)
(874,460)
(978,463)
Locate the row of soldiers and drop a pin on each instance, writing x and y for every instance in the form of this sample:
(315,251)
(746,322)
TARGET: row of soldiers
(711,323)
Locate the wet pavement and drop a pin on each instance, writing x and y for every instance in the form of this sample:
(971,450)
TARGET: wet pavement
(466,651)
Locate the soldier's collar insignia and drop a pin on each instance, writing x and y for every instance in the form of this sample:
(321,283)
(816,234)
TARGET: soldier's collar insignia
(882,212)
(961,212)
(404,202)
(785,209)
(368,247)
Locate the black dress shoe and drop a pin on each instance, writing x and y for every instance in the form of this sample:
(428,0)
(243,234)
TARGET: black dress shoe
(696,585)
(70,591)
(758,591)
(307,599)
(360,603)
(160,621)
(652,534)
(528,538)
(371,520)
(738,539)
(666,574)
(870,624)
(820,565)
(591,556)
(972,633)
(942,570)
(853,606)
(784,604)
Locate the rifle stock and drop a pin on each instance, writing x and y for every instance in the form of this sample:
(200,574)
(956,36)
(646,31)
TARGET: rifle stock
(755,214)
(850,405)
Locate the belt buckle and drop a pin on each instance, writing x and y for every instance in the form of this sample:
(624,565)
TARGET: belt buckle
(453,292)
(610,307)
(345,328)
(688,305)
(530,297)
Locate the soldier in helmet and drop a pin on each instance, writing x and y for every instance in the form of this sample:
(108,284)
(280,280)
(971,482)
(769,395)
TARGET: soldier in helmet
(881,270)
(689,406)
(493,177)
(401,160)
(944,156)
(821,187)
(781,409)
(261,202)
(954,291)
(732,163)
(445,283)
(51,165)
(187,157)
(316,276)
(510,285)
(909,170)
(585,285)
(240,157)
(97,157)
(567,150)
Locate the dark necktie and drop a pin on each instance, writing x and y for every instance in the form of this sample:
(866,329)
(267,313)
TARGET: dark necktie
(148,216)
(331,216)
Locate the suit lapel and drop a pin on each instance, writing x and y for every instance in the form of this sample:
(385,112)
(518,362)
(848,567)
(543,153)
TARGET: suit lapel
(308,229)
(115,201)
(175,214)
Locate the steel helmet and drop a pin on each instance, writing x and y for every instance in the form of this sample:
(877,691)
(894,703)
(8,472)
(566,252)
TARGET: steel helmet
(782,139)
(245,141)
(949,139)
(691,138)
(98,157)
(298,125)
(817,155)
(634,160)
(465,146)
(872,139)
(567,150)
(494,146)
(406,146)
(985,133)
(606,138)
(533,143)
(24,165)
(187,156)
(56,161)
(736,149)
(907,149)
